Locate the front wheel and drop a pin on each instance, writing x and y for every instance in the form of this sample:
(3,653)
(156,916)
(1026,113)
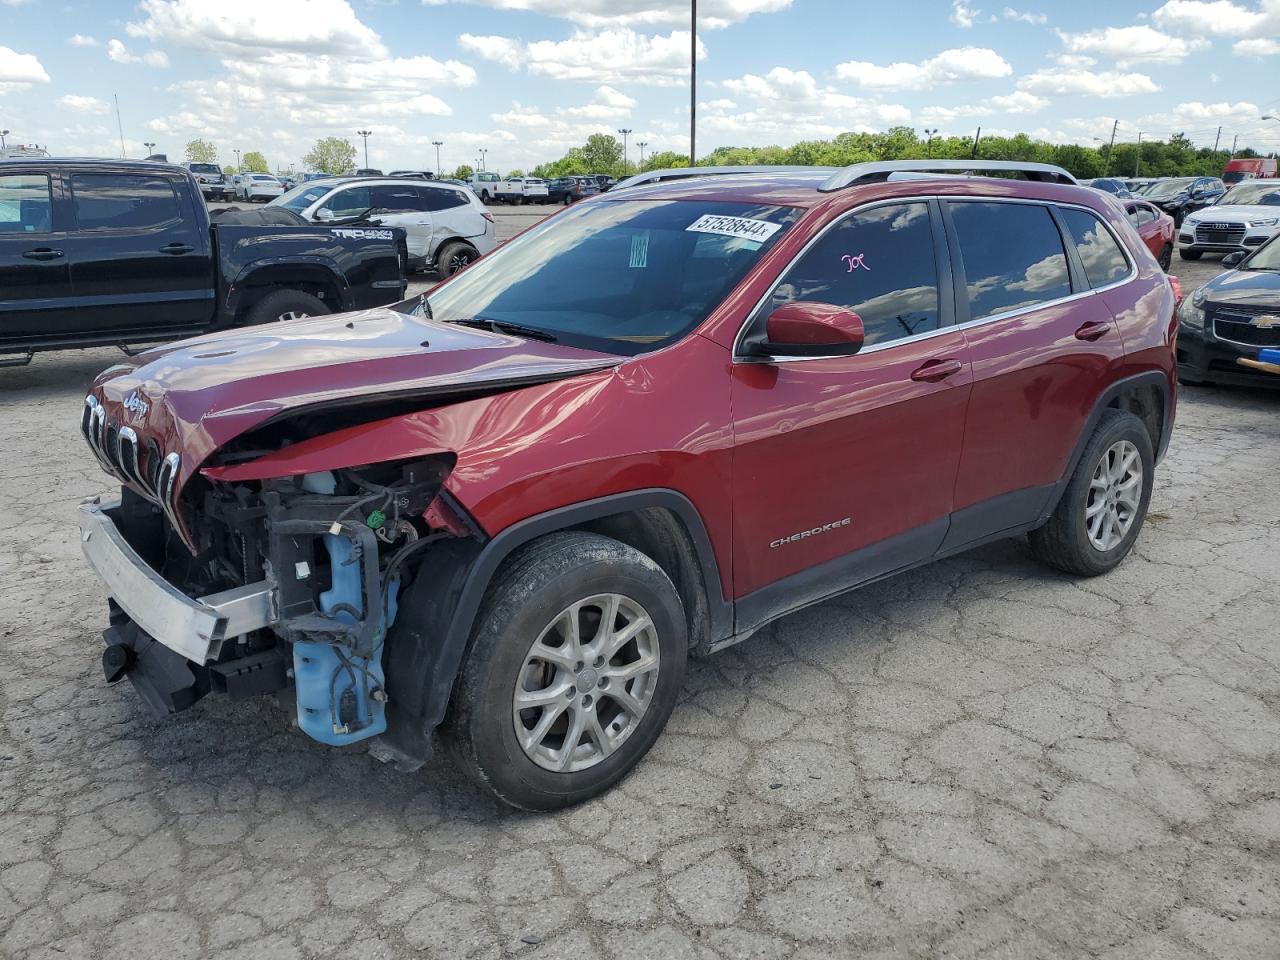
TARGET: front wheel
(1166,257)
(1102,510)
(575,664)
(281,305)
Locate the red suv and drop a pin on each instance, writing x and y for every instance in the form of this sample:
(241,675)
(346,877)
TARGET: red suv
(651,424)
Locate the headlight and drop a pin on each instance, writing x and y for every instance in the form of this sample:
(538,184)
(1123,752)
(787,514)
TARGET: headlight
(1191,311)
(1269,222)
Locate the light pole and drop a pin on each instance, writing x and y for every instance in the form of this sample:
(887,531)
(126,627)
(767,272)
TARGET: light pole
(237,161)
(438,144)
(5,133)
(693,83)
(1137,158)
(364,135)
(624,133)
(150,147)
(642,144)
(483,151)
(930,134)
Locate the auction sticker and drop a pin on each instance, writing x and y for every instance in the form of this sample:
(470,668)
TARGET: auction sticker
(742,228)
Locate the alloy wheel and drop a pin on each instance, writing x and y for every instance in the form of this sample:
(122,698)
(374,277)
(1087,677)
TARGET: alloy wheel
(1115,491)
(586,683)
(458,261)
(293,315)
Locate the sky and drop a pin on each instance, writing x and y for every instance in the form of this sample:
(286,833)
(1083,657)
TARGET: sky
(525,80)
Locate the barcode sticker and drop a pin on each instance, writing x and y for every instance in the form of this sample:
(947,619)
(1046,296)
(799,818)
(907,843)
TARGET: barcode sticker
(743,228)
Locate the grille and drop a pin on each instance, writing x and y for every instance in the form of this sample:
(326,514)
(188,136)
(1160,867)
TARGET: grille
(1231,233)
(122,455)
(1239,326)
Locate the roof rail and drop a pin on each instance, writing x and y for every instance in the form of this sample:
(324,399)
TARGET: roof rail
(683,173)
(880,170)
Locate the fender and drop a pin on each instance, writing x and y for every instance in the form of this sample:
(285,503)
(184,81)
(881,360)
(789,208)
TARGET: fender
(425,649)
(304,264)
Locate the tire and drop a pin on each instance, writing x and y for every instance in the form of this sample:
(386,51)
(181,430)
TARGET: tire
(454,256)
(484,197)
(1166,257)
(1185,254)
(1066,541)
(279,305)
(526,607)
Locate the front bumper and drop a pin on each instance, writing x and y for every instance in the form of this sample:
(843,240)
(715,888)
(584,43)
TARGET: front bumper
(1202,356)
(1222,241)
(192,628)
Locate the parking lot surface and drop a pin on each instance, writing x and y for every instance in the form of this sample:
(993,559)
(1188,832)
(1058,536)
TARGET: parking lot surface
(977,759)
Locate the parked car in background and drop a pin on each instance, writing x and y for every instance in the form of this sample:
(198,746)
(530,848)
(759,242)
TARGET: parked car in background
(1232,317)
(1155,227)
(1179,196)
(603,181)
(640,431)
(446,227)
(1249,168)
(532,189)
(369,172)
(213,184)
(130,254)
(566,190)
(1136,185)
(1247,216)
(491,188)
(1109,185)
(413,174)
(259,186)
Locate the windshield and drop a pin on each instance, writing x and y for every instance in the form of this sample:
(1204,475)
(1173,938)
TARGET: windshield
(622,277)
(1253,193)
(300,197)
(1168,188)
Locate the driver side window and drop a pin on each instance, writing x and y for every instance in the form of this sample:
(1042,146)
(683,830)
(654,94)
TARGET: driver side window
(347,203)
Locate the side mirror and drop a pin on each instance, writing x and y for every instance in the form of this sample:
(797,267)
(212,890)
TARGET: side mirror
(805,328)
(1231,259)
(324,213)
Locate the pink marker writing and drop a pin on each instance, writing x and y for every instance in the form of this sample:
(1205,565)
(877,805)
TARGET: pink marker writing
(855,262)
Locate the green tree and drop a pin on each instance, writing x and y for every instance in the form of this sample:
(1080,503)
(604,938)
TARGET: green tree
(201,151)
(601,154)
(666,160)
(463,172)
(255,162)
(515,173)
(229,170)
(331,155)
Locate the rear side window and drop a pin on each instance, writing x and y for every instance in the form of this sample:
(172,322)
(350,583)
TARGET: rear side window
(1012,254)
(120,201)
(396,199)
(438,199)
(1104,262)
(25,204)
(879,264)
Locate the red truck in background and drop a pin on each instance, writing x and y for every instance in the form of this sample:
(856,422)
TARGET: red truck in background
(1249,168)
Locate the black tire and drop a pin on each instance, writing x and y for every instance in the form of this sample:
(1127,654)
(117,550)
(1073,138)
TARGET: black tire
(1166,257)
(275,305)
(454,256)
(1063,542)
(1190,254)
(485,198)
(528,593)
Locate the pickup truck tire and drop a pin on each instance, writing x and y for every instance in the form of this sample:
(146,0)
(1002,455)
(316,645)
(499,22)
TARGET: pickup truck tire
(485,198)
(1103,507)
(541,640)
(285,305)
(454,256)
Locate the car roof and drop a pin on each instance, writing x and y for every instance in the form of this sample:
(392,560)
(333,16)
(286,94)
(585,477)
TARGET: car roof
(97,162)
(381,181)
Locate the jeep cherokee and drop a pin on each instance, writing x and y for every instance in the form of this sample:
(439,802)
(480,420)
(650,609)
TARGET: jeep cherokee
(648,426)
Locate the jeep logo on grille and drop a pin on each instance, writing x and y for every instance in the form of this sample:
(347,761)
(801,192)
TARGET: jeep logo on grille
(136,406)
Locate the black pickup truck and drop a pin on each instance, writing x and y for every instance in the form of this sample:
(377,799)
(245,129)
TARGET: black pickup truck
(119,252)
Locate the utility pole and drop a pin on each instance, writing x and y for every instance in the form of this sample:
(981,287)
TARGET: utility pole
(642,144)
(693,83)
(626,131)
(1216,138)
(1111,148)
(119,125)
(438,144)
(1234,141)
(929,146)
(364,134)
(976,138)
(1137,157)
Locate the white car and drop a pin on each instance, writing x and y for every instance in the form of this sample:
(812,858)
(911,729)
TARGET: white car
(258,186)
(535,190)
(1246,217)
(446,226)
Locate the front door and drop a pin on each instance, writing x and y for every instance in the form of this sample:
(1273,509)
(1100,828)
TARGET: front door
(844,467)
(35,284)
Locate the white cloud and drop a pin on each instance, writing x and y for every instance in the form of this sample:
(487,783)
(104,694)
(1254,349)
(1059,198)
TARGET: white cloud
(1088,83)
(81,40)
(1020,101)
(256,28)
(1220,18)
(712,14)
(1256,47)
(949,66)
(19,70)
(1137,44)
(610,56)
(81,104)
(1025,16)
(963,15)
(119,53)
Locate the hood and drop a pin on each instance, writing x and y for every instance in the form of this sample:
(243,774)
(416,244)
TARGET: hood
(1245,288)
(1235,213)
(195,396)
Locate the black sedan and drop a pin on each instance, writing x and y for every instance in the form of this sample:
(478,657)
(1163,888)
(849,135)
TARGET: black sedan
(1231,318)
(1179,196)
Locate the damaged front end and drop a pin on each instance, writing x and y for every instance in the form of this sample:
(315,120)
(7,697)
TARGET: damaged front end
(286,586)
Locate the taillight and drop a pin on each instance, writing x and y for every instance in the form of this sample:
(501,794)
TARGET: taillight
(488,216)
(1177,288)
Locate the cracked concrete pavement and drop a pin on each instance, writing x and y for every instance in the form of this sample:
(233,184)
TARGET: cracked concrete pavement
(977,759)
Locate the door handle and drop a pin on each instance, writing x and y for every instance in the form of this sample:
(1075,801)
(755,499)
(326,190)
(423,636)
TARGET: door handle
(42,253)
(1092,330)
(934,370)
(177,248)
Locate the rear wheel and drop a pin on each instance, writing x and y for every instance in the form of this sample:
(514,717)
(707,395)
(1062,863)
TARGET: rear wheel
(1102,510)
(1186,254)
(1166,257)
(575,665)
(455,256)
(279,305)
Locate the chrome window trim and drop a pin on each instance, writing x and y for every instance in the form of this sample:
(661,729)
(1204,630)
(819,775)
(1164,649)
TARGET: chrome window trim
(739,357)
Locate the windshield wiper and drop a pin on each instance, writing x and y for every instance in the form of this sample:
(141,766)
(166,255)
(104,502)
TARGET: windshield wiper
(505,326)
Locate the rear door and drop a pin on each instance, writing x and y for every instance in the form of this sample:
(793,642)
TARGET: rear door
(1042,349)
(452,212)
(35,284)
(139,255)
(400,205)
